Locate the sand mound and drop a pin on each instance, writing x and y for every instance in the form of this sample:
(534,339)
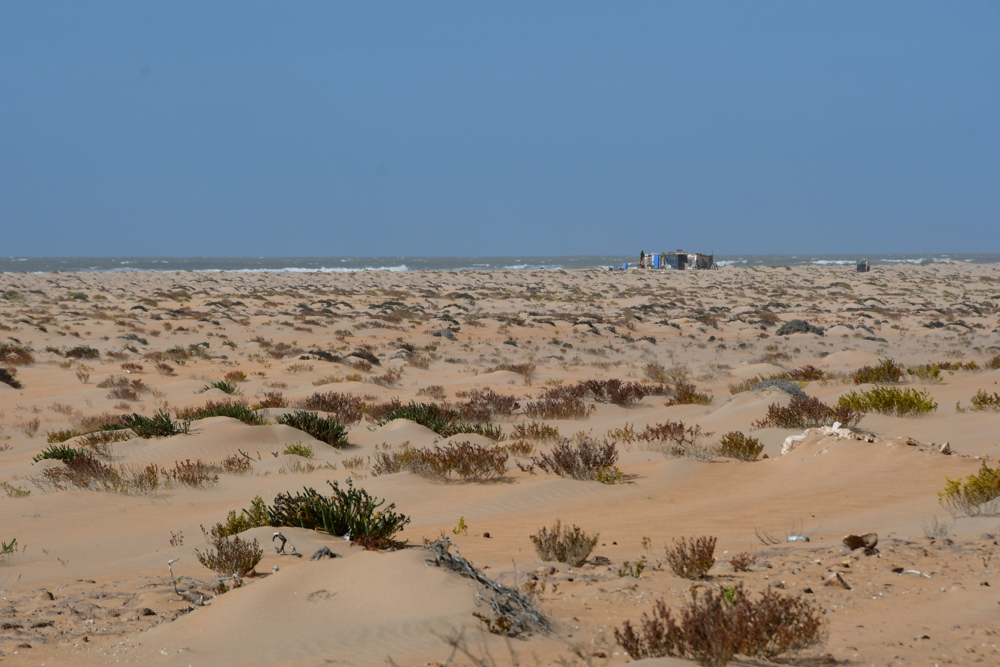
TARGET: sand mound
(755,370)
(394,434)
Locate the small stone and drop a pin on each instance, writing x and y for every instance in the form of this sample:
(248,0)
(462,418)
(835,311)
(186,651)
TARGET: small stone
(24,645)
(834,579)
(486,535)
(45,595)
(145,611)
(945,448)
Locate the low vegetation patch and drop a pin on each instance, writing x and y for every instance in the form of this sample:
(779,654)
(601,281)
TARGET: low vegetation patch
(538,431)
(330,431)
(228,556)
(716,625)
(299,449)
(224,386)
(571,546)
(559,403)
(63,453)
(886,371)
(159,425)
(225,408)
(484,405)
(692,560)
(352,513)
(442,420)
(979,495)
(984,401)
(671,438)
(736,445)
(461,460)
(807,412)
(8,377)
(889,401)
(582,458)
(346,408)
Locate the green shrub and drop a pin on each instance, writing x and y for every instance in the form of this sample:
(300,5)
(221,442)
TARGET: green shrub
(353,514)
(159,425)
(82,352)
(225,386)
(235,410)
(984,401)
(571,546)
(64,453)
(692,560)
(889,401)
(978,496)
(325,429)
(925,372)
(298,449)
(736,445)
(7,548)
(886,371)
(442,421)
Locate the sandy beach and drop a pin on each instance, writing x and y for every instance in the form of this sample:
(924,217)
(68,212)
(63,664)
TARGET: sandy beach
(87,581)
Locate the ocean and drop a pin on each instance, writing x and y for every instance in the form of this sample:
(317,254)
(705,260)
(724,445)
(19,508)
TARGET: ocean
(349,264)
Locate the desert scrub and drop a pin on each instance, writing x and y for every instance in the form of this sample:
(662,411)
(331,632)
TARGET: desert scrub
(7,548)
(253,517)
(984,401)
(886,371)
(61,452)
(484,405)
(325,429)
(806,412)
(571,546)
(671,438)
(559,403)
(716,625)
(979,495)
(346,408)
(298,449)
(15,354)
(993,363)
(7,376)
(443,421)
(685,393)
(350,513)
(89,474)
(889,401)
(736,445)
(462,460)
(82,352)
(226,408)
(582,458)
(62,435)
(691,560)
(538,431)
(742,561)
(159,425)
(224,386)
(229,556)
(272,399)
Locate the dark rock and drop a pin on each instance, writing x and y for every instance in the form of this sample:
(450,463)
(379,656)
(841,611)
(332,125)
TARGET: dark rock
(444,333)
(797,326)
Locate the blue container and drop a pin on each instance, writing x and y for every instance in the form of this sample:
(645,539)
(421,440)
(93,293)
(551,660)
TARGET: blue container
(656,260)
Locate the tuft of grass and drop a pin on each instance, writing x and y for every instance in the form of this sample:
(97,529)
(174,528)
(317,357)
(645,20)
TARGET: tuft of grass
(299,449)
(672,438)
(330,431)
(979,495)
(443,421)
(352,513)
(226,408)
(571,546)
(889,401)
(82,352)
(224,386)
(886,371)
(159,425)
(538,431)
(736,445)
(7,376)
(742,561)
(692,560)
(61,452)
(62,435)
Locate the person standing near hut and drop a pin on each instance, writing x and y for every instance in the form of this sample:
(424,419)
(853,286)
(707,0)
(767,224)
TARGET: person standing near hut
(642,259)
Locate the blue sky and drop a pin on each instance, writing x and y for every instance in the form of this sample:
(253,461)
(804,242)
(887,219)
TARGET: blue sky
(457,128)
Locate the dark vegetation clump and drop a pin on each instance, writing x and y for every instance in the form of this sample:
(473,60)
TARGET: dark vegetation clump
(367,356)
(736,445)
(994,363)
(797,326)
(808,412)
(350,513)
(159,425)
(692,560)
(716,625)
(225,408)
(442,420)
(526,370)
(889,401)
(328,430)
(672,438)
(7,376)
(559,403)
(82,352)
(224,386)
(886,371)
(63,453)
(273,399)
(484,405)
(571,546)
(346,408)
(684,392)
(613,391)
(984,401)
(807,373)
(462,460)
(228,556)
(535,431)
(583,458)
(15,354)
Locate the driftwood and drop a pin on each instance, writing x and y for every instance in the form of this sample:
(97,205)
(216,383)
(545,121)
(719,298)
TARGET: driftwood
(514,613)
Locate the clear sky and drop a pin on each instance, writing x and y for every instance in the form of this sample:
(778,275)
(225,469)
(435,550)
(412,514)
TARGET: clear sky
(474,128)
